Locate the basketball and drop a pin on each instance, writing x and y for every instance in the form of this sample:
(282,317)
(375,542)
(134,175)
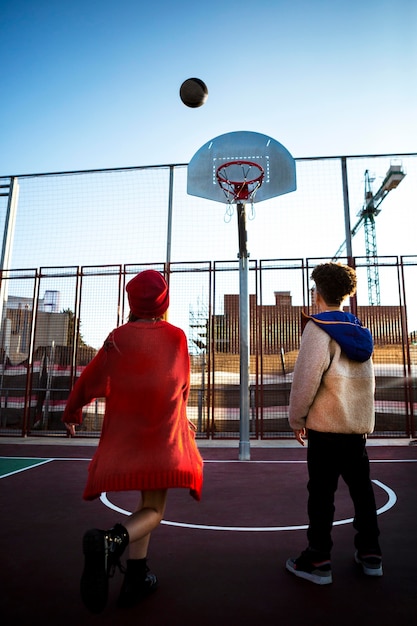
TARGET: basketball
(193,92)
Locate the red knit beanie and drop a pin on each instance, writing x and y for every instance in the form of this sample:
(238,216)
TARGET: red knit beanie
(148,294)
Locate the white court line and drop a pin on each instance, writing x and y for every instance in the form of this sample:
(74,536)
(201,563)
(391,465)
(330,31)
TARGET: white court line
(23,469)
(305,461)
(38,462)
(392,499)
(42,458)
(393,461)
(251,462)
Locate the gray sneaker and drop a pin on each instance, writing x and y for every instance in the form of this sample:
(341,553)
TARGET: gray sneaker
(371,563)
(310,568)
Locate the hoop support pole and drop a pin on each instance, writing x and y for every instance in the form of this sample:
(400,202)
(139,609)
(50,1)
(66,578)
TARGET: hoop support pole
(241,225)
(244,335)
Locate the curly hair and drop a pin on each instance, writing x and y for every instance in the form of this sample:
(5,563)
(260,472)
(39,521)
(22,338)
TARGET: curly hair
(334,282)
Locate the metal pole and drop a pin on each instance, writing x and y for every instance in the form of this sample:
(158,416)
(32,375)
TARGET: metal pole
(9,223)
(6,251)
(244,335)
(348,232)
(169,225)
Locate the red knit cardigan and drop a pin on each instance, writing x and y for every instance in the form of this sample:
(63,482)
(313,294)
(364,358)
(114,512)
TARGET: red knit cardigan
(146,443)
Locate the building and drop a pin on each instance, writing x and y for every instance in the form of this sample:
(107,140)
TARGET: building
(276,328)
(51,325)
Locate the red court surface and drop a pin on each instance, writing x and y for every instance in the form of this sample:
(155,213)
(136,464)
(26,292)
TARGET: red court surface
(220,561)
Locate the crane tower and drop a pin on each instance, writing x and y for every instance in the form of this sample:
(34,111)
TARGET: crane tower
(367,215)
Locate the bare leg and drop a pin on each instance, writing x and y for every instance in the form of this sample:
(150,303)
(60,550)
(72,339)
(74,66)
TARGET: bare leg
(144,520)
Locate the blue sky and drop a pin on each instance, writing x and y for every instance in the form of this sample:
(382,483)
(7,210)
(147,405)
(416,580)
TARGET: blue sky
(89,85)
(95,84)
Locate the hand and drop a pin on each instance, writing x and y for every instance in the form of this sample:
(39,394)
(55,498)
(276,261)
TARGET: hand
(70,430)
(299,434)
(191,425)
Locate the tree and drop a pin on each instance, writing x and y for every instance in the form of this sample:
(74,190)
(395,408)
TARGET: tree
(71,330)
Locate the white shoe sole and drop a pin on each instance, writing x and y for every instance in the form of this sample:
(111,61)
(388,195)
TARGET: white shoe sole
(317,579)
(369,571)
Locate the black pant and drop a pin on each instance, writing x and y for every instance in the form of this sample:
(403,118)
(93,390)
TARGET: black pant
(329,456)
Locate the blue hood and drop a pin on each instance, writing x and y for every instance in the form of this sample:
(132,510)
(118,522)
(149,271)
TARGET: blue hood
(354,339)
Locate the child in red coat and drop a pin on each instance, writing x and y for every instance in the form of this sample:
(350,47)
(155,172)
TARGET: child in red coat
(147,442)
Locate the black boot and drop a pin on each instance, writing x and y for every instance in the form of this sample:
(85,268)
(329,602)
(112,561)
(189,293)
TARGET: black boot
(102,551)
(137,584)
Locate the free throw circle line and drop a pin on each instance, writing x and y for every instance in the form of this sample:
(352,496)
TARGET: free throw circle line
(392,499)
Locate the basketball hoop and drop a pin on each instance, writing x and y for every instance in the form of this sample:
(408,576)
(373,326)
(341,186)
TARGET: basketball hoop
(240,180)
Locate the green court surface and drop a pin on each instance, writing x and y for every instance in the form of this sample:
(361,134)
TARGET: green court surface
(12,465)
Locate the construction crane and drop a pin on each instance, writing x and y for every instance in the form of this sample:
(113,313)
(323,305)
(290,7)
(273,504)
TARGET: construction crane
(367,216)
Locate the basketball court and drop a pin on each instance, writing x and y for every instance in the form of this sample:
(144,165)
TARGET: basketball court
(220,561)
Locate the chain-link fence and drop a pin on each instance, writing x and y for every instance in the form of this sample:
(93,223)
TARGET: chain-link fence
(72,240)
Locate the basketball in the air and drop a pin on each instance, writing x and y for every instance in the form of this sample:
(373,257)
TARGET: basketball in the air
(193,92)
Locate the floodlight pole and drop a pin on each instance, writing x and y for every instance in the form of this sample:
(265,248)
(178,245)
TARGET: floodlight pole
(244,334)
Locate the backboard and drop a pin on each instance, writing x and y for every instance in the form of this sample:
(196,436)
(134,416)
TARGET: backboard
(275,160)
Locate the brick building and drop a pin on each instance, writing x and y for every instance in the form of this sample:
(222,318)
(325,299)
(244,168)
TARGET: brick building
(276,327)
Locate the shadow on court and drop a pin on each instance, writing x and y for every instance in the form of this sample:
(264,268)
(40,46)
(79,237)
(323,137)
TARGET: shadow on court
(220,561)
